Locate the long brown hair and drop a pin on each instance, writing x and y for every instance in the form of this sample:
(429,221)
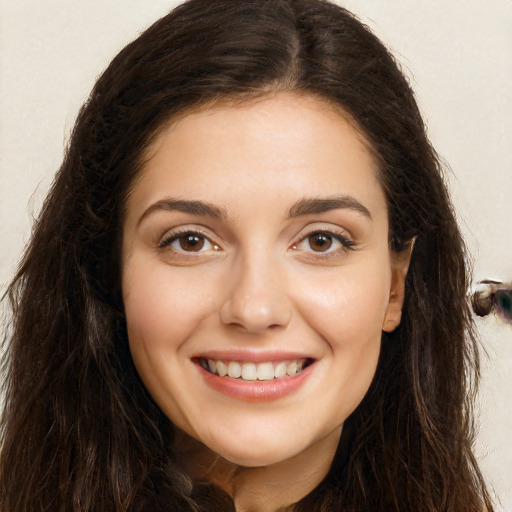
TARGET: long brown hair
(79,430)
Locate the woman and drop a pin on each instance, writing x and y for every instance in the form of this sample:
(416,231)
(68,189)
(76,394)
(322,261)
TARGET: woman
(246,289)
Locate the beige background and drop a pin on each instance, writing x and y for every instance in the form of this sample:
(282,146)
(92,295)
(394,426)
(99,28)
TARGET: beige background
(458,54)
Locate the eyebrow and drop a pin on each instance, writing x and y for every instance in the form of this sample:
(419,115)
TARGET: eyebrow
(193,207)
(307,206)
(314,205)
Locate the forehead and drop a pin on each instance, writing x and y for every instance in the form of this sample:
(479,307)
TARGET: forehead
(284,142)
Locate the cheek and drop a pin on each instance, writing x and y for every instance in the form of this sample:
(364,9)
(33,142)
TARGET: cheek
(347,310)
(347,306)
(162,306)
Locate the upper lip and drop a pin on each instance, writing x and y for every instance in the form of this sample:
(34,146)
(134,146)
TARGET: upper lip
(252,356)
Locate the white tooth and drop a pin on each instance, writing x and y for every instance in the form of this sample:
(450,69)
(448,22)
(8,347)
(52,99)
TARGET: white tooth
(222,369)
(292,368)
(265,371)
(234,370)
(280,370)
(212,366)
(249,371)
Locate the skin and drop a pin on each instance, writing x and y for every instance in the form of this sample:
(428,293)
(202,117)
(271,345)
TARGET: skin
(260,283)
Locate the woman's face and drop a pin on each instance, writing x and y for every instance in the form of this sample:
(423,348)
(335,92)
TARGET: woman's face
(256,243)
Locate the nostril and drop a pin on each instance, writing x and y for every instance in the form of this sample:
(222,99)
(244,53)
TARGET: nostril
(256,313)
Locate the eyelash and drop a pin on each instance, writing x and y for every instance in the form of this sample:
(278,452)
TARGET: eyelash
(174,236)
(346,243)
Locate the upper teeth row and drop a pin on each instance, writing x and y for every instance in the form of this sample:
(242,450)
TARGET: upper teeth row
(253,371)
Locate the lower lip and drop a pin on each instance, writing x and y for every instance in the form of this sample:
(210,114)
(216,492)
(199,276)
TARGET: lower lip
(256,390)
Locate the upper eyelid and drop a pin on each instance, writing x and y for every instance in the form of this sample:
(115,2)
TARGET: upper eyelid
(311,228)
(173,233)
(345,242)
(319,227)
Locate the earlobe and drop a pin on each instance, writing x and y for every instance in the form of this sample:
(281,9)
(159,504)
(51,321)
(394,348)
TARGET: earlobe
(393,313)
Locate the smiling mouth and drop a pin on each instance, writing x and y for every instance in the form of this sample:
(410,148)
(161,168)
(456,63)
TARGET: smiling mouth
(249,371)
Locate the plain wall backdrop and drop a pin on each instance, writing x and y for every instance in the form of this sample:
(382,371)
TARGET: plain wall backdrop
(457,53)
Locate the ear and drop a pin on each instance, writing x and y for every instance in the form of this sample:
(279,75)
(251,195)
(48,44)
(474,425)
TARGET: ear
(400,266)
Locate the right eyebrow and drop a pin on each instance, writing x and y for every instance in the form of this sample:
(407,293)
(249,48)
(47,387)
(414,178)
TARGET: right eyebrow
(193,207)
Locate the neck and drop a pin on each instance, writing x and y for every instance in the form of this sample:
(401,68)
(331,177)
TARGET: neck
(270,488)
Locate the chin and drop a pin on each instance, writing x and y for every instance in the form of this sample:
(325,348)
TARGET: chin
(253,459)
(258,452)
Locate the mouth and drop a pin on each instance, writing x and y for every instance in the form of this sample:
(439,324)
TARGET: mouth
(251,371)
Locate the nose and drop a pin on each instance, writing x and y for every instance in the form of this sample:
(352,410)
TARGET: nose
(257,297)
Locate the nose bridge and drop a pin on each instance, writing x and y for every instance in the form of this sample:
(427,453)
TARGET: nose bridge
(257,297)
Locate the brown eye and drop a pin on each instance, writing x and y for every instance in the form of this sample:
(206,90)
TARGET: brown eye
(324,243)
(320,242)
(188,242)
(191,242)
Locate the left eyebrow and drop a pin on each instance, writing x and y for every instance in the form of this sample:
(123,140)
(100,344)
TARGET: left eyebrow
(314,205)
